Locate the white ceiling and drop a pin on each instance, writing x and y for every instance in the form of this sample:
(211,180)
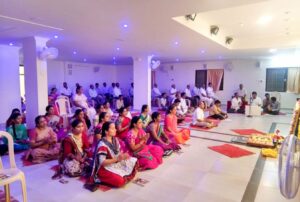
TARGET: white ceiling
(94,28)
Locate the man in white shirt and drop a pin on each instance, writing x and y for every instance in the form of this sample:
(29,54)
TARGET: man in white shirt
(236,104)
(163,101)
(204,97)
(188,92)
(242,92)
(210,91)
(93,94)
(66,91)
(155,91)
(111,89)
(104,90)
(173,92)
(199,118)
(183,103)
(80,100)
(255,100)
(117,91)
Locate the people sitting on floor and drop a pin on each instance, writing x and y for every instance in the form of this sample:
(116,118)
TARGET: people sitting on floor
(274,107)
(242,92)
(210,91)
(158,136)
(18,131)
(149,156)
(236,104)
(111,166)
(180,136)
(204,97)
(43,142)
(255,100)
(266,102)
(216,112)
(73,157)
(145,117)
(199,118)
(55,122)
(119,102)
(163,102)
(80,100)
(66,91)
(122,124)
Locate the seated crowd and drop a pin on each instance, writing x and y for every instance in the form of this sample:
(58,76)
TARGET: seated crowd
(109,149)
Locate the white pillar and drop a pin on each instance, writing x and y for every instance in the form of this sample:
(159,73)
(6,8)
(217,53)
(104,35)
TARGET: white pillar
(142,81)
(36,82)
(10,96)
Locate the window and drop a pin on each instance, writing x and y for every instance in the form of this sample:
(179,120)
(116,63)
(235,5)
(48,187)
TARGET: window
(215,76)
(276,79)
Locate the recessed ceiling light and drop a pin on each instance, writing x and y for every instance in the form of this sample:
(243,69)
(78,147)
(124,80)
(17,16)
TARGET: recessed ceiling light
(177,59)
(118,49)
(55,36)
(84,60)
(11,44)
(242,24)
(264,19)
(176,43)
(125,25)
(74,52)
(114,58)
(202,51)
(272,50)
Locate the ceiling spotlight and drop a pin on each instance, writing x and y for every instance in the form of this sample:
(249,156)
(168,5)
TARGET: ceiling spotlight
(56,37)
(125,25)
(118,49)
(191,17)
(84,60)
(202,51)
(177,59)
(228,40)
(264,20)
(11,44)
(74,52)
(214,29)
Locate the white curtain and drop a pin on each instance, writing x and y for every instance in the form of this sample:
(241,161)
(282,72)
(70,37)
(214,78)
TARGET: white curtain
(293,84)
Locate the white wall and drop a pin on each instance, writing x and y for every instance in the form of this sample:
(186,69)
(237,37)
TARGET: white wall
(243,71)
(85,74)
(9,81)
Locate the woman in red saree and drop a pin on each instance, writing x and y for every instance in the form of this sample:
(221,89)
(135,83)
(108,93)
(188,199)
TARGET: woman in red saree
(180,136)
(122,123)
(149,156)
(111,166)
(74,151)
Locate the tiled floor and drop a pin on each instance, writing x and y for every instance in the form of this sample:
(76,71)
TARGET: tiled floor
(198,174)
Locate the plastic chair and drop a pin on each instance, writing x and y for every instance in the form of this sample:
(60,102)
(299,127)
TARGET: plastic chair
(63,106)
(11,174)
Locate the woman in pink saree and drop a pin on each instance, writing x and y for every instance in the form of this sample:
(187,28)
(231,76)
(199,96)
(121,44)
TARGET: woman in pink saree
(55,122)
(180,136)
(149,156)
(43,142)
